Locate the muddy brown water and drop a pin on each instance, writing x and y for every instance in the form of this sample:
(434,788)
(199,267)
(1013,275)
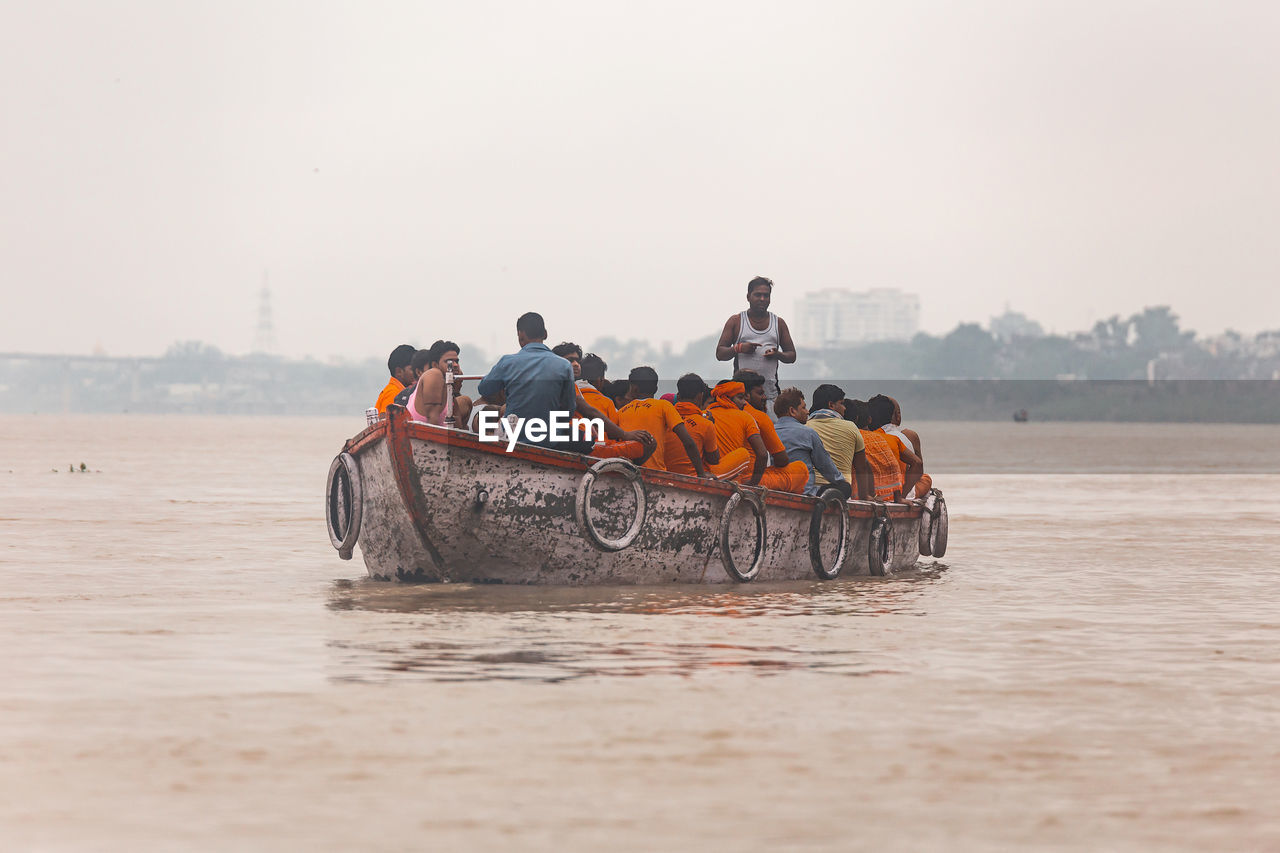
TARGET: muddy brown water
(188,665)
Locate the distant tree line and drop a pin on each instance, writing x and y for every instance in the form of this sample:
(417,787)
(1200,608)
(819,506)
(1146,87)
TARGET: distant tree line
(1144,345)
(194,377)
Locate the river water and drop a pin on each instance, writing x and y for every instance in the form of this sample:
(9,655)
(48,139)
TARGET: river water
(187,664)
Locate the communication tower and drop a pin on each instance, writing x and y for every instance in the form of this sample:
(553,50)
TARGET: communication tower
(264,335)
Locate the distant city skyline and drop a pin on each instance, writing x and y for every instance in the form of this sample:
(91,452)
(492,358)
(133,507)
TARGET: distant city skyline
(843,315)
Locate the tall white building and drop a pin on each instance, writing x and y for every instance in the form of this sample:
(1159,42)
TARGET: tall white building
(839,317)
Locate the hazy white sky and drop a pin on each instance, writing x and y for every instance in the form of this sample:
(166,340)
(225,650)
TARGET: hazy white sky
(408,171)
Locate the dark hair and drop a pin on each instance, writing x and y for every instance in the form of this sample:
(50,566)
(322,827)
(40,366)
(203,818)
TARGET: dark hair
(563,349)
(644,380)
(532,325)
(617,389)
(421,359)
(857,412)
(757,281)
(787,399)
(439,348)
(401,356)
(825,395)
(689,387)
(880,410)
(749,378)
(593,367)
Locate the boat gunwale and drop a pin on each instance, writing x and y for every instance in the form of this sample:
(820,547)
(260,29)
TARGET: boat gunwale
(454,437)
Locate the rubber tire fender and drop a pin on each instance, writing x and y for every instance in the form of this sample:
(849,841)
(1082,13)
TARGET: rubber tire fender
(830,498)
(726,556)
(582,504)
(938,533)
(880,545)
(926,525)
(343,491)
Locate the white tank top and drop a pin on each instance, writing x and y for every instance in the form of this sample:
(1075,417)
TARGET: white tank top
(766,367)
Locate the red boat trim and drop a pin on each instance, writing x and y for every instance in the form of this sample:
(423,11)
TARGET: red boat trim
(406,429)
(365,437)
(407,479)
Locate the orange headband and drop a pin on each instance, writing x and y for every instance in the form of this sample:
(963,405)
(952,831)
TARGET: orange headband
(729,389)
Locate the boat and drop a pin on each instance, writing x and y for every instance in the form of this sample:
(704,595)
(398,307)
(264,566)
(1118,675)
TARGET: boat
(435,503)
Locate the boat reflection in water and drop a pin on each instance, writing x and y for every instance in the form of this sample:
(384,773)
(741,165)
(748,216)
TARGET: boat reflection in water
(448,632)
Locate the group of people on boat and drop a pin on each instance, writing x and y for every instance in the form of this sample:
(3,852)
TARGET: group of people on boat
(725,432)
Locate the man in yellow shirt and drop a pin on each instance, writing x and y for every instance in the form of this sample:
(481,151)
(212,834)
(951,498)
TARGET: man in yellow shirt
(400,365)
(842,440)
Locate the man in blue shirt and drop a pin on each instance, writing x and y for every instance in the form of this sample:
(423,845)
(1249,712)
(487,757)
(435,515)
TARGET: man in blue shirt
(537,381)
(803,443)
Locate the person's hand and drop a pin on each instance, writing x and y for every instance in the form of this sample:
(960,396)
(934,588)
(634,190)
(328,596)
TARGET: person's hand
(770,353)
(745,346)
(643,436)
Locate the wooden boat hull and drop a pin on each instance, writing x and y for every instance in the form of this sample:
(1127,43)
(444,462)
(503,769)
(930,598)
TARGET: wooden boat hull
(436,504)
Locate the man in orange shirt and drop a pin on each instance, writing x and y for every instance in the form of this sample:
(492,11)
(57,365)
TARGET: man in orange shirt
(735,429)
(783,474)
(400,366)
(691,397)
(659,418)
(881,411)
(421,361)
(882,452)
(635,445)
(591,382)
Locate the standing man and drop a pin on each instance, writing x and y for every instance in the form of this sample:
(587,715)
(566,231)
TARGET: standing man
(757,339)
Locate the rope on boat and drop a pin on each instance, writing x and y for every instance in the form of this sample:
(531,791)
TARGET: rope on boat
(880,543)
(755,502)
(833,499)
(582,504)
(344,504)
